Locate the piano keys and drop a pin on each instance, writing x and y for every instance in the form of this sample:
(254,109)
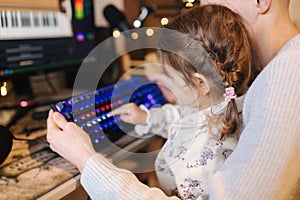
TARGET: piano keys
(31,24)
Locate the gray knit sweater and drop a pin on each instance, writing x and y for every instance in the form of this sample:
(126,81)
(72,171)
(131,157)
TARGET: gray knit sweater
(266,162)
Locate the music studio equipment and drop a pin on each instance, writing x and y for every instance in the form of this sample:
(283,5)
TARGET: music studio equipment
(38,35)
(33,36)
(115,18)
(90,110)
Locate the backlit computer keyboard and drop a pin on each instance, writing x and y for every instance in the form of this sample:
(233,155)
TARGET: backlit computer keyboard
(90,110)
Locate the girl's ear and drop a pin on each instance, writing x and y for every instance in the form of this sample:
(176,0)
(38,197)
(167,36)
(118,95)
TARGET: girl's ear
(263,5)
(202,83)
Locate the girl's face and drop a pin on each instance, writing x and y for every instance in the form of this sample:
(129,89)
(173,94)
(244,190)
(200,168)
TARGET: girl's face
(185,94)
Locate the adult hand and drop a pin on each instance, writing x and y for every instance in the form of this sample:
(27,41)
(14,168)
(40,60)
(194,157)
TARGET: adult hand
(68,140)
(131,113)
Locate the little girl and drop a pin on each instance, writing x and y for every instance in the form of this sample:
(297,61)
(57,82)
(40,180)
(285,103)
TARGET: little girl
(202,128)
(214,62)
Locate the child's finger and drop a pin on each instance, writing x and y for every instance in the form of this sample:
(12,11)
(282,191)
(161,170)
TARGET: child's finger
(119,111)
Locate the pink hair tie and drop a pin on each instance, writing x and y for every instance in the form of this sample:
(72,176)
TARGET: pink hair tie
(229,94)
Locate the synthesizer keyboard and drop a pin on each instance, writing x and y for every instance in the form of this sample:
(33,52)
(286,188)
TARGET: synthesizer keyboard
(29,24)
(90,110)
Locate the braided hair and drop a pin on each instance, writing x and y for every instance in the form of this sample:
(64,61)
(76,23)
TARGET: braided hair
(223,36)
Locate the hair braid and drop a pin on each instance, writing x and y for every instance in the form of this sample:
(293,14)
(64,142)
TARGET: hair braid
(225,40)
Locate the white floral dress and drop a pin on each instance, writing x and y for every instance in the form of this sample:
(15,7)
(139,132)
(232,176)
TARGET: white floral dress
(191,154)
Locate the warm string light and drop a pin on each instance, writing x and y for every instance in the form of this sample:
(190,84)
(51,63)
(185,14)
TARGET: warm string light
(3,89)
(116,33)
(134,35)
(190,3)
(164,21)
(149,32)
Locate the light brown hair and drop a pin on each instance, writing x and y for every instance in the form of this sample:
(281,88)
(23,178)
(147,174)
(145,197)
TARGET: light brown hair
(224,38)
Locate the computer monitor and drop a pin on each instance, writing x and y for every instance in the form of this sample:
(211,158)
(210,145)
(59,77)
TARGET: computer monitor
(35,41)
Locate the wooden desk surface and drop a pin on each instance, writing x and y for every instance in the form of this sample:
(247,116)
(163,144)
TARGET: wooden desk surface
(72,184)
(33,171)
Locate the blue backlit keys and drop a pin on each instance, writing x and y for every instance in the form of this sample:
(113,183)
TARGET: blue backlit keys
(90,110)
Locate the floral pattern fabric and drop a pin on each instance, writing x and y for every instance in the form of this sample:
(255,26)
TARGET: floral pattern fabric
(190,155)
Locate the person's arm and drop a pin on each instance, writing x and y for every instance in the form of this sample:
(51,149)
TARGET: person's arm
(266,162)
(103,180)
(100,178)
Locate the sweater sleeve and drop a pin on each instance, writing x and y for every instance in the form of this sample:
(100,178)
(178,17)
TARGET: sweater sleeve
(103,180)
(159,120)
(266,162)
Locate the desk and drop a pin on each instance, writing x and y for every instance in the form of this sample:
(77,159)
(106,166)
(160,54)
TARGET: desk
(72,184)
(55,178)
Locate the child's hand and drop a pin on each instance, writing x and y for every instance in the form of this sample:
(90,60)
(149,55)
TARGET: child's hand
(131,113)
